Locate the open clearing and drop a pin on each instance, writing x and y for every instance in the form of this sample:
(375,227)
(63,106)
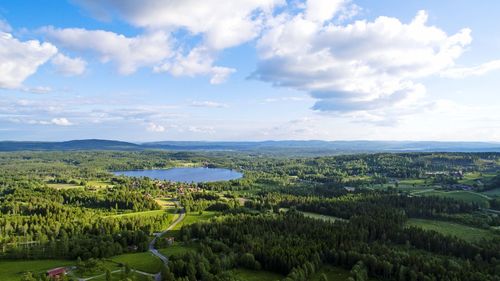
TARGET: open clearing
(177,249)
(255,275)
(467,233)
(13,270)
(145,261)
(466,196)
(63,186)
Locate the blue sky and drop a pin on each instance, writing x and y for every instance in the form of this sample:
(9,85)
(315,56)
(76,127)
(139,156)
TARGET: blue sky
(249,70)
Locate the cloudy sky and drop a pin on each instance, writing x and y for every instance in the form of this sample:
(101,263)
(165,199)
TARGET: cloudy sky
(249,70)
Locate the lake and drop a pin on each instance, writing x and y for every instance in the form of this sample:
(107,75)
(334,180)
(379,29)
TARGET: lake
(185,174)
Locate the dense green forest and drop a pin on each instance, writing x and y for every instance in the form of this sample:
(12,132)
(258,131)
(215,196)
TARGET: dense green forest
(290,216)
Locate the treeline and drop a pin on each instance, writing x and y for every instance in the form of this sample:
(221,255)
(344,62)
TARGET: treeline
(296,246)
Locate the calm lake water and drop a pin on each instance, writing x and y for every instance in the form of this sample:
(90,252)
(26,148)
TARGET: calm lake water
(185,174)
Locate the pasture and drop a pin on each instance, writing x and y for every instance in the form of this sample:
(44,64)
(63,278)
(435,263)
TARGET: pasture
(145,261)
(462,195)
(464,232)
(13,270)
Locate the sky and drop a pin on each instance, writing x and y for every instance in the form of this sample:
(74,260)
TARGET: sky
(226,70)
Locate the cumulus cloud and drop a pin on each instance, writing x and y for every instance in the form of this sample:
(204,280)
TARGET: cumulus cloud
(155,128)
(199,61)
(361,66)
(219,25)
(129,53)
(68,66)
(21,59)
(222,24)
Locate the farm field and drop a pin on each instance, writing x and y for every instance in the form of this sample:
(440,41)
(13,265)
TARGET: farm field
(466,196)
(194,217)
(467,233)
(145,261)
(13,270)
(63,186)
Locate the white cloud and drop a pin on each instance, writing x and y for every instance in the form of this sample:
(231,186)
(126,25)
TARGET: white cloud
(152,127)
(54,121)
(129,53)
(462,72)
(20,59)
(322,10)
(211,104)
(60,122)
(68,66)
(223,24)
(199,61)
(361,66)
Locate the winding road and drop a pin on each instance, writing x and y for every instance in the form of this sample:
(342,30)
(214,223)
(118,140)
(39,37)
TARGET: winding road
(152,248)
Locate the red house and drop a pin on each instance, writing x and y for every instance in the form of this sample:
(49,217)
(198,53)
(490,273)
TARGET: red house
(56,273)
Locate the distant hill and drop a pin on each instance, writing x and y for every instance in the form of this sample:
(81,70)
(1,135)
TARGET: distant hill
(91,144)
(313,147)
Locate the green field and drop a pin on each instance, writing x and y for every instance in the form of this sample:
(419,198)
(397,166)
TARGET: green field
(320,217)
(145,213)
(146,261)
(332,274)
(466,196)
(255,275)
(117,276)
(13,270)
(177,249)
(63,186)
(492,192)
(467,233)
(194,217)
(470,178)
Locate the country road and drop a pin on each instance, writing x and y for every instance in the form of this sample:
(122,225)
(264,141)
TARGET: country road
(152,248)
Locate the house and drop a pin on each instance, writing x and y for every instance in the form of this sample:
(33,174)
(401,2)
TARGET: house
(349,189)
(170,240)
(56,273)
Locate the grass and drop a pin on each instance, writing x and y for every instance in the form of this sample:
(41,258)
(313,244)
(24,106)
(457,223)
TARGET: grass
(99,184)
(315,215)
(194,217)
(255,275)
(177,249)
(63,186)
(144,213)
(466,196)
(146,261)
(118,277)
(320,217)
(13,270)
(470,178)
(464,232)
(332,273)
(492,192)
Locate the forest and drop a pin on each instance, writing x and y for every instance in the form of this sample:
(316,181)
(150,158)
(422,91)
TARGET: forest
(374,216)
